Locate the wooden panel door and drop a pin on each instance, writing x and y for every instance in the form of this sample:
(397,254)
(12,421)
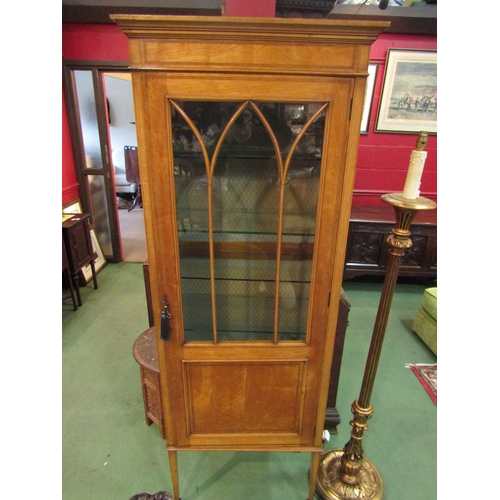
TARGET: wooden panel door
(243,254)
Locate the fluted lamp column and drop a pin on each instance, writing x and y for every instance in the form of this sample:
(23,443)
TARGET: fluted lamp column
(345,474)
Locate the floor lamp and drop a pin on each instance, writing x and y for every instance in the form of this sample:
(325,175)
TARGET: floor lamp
(345,474)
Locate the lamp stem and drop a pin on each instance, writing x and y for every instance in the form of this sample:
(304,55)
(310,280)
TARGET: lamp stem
(340,476)
(398,242)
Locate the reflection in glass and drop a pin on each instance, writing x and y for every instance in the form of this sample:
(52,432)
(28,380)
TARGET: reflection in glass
(100,212)
(247,178)
(88,118)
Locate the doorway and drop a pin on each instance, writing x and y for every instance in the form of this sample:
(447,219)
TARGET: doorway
(101,116)
(122,134)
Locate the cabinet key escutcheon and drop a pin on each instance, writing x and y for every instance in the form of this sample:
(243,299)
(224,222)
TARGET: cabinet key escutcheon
(165,316)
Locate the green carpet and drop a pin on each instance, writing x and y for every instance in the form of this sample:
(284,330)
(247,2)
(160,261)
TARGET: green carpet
(109,452)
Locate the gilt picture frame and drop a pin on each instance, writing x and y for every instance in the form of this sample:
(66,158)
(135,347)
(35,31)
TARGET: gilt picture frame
(408,103)
(369,94)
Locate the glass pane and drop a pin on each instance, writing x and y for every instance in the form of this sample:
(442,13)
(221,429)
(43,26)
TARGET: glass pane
(299,221)
(88,118)
(101,216)
(231,171)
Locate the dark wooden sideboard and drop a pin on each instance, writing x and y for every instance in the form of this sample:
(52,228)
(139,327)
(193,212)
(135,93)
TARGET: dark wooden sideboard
(367,246)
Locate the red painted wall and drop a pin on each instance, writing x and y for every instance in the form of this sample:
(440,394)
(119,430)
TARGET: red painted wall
(92,42)
(69,180)
(244,8)
(97,42)
(382,158)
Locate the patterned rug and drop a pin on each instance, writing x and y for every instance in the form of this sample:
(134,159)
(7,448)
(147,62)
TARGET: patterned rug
(427,375)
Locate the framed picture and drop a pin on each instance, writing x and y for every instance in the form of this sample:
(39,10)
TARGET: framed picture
(99,262)
(73,207)
(370,90)
(409,94)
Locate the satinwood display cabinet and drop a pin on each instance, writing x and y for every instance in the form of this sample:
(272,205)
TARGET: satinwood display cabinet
(248,132)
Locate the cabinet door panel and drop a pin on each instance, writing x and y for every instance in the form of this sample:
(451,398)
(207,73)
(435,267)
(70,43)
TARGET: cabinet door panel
(242,254)
(245,397)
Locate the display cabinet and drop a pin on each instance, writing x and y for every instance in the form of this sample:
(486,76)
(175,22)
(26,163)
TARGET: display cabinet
(247,136)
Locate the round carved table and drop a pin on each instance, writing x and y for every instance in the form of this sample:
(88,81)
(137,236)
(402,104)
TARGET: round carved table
(146,354)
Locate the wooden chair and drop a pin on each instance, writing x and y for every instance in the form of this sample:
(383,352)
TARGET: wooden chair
(132,173)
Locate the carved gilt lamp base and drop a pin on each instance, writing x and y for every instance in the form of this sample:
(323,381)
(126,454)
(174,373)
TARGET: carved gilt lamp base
(330,486)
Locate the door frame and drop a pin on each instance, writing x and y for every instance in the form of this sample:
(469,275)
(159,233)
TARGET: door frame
(98,68)
(164,260)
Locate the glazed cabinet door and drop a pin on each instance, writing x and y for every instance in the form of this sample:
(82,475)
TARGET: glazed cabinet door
(242,186)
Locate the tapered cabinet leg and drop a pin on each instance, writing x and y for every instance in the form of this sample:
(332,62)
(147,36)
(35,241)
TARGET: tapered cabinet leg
(174,473)
(313,474)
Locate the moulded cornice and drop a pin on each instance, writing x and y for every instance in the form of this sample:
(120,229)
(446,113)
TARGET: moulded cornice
(251,29)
